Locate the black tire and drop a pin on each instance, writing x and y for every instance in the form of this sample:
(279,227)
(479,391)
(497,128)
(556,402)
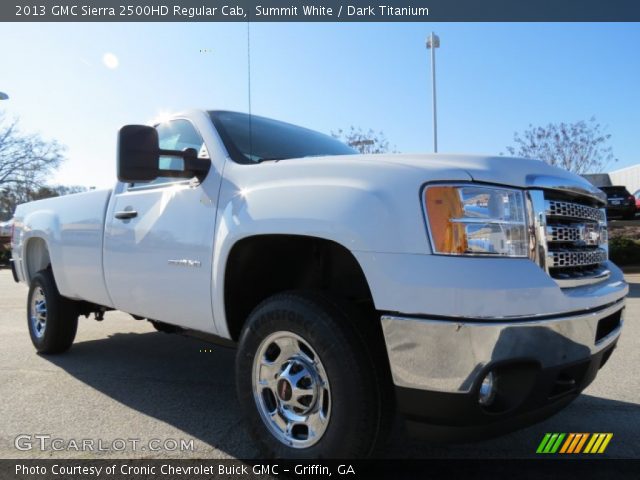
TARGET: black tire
(58,331)
(358,414)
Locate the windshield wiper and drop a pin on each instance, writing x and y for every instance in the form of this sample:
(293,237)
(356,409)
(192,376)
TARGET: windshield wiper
(270,159)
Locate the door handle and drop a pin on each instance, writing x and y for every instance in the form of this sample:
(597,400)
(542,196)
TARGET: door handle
(126,214)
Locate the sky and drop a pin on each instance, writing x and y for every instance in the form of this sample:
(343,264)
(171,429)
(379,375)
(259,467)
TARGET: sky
(79,82)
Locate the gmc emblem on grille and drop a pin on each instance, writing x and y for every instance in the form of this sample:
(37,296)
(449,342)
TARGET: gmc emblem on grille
(589,234)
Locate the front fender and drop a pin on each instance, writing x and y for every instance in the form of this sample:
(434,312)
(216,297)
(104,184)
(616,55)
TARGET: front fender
(351,213)
(364,204)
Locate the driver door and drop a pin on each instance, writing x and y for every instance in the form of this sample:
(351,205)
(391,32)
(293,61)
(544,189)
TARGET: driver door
(159,239)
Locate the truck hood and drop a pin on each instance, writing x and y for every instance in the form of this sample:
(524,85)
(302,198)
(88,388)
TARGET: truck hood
(517,172)
(416,169)
(510,171)
(347,198)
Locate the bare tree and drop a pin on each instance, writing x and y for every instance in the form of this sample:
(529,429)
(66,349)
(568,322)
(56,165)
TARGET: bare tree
(11,197)
(364,142)
(26,163)
(579,147)
(26,160)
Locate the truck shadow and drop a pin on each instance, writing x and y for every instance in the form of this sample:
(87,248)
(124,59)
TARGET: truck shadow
(189,384)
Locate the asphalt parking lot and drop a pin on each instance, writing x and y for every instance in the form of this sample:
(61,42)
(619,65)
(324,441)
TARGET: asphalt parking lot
(124,381)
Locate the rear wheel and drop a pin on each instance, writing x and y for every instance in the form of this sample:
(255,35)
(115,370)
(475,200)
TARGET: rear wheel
(306,381)
(52,318)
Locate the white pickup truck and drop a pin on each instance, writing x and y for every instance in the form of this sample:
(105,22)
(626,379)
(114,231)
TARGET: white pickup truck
(473,294)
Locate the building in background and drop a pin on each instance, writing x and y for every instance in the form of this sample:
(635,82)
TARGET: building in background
(598,179)
(628,177)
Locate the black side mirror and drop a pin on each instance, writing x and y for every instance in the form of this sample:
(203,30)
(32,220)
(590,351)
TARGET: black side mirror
(138,153)
(139,157)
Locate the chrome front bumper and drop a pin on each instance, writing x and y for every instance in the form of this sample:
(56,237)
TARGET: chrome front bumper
(449,355)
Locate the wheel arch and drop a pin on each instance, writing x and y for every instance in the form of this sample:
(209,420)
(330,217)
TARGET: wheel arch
(262,265)
(36,257)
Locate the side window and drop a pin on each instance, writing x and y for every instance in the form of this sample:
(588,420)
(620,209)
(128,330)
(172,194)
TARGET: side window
(176,135)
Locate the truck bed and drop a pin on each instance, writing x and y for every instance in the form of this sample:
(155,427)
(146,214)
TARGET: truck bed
(73,228)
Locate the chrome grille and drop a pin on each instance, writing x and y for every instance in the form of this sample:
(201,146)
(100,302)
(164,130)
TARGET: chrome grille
(575,211)
(563,234)
(581,234)
(571,237)
(566,259)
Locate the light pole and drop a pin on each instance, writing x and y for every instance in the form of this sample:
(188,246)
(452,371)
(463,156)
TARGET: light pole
(433,42)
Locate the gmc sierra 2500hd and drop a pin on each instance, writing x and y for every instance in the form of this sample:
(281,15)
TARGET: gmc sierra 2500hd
(466,292)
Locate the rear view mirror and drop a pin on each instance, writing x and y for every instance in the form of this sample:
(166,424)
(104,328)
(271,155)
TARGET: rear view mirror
(139,157)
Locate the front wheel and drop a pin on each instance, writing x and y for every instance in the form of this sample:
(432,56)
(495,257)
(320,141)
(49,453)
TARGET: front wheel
(52,318)
(306,381)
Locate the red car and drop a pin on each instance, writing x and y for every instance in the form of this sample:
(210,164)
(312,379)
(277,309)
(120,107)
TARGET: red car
(637,197)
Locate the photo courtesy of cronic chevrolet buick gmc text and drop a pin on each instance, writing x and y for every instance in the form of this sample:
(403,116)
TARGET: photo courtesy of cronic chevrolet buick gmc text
(472,294)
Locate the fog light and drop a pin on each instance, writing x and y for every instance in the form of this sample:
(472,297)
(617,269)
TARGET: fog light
(487,390)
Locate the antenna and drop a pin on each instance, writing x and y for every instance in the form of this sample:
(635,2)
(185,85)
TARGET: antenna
(249,86)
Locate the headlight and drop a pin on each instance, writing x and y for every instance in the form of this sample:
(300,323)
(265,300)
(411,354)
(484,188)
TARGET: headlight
(476,220)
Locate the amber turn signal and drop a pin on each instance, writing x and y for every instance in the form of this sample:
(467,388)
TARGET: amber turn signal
(443,204)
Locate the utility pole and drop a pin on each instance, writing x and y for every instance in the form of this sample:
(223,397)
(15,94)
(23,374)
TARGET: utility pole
(433,42)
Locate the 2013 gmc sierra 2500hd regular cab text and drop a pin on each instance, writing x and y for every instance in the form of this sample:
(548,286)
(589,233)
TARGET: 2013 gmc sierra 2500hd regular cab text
(470,293)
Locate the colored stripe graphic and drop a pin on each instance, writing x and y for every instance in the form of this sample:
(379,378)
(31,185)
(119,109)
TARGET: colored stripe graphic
(573,443)
(550,443)
(590,444)
(599,443)
(577,438)
(581,443)
(555,447)
(605,443)
(567,442)
(543,443)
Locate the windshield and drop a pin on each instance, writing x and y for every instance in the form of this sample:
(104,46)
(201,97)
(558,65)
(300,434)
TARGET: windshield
(253,139)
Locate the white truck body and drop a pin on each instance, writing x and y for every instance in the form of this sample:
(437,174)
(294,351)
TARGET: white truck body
(169,263)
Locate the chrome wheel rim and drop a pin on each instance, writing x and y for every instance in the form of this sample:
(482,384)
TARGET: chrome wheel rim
(38,312)
(291,390)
